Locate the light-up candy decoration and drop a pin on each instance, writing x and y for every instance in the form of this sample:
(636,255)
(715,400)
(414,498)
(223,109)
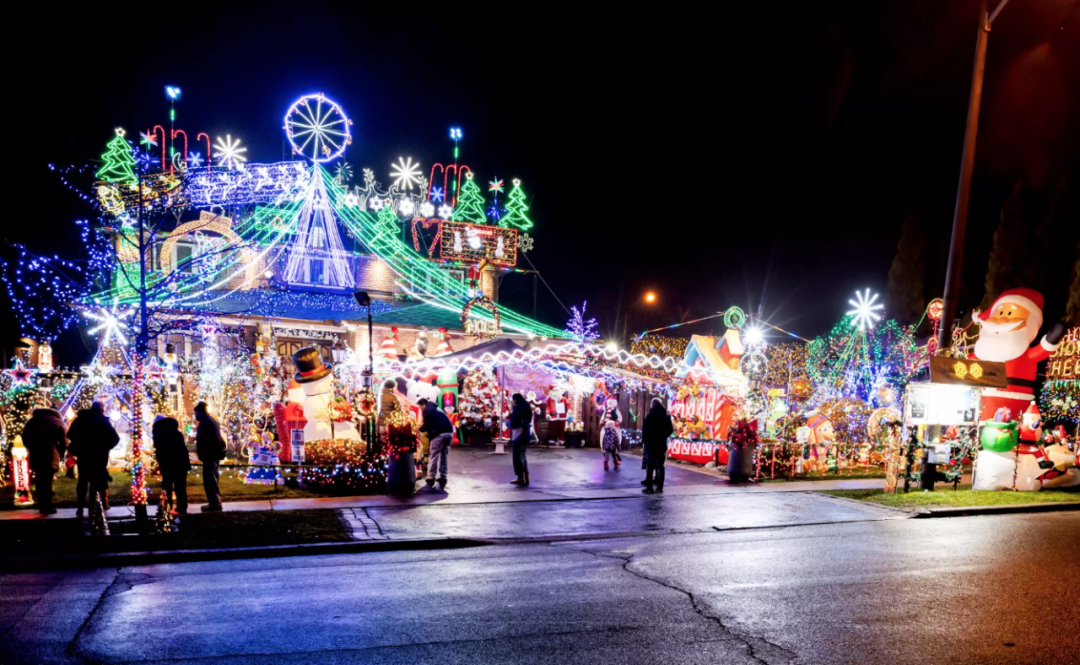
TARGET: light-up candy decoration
(20,472)
(317,128)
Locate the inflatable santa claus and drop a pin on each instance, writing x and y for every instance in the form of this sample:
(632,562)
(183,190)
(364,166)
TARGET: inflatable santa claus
(1007,331)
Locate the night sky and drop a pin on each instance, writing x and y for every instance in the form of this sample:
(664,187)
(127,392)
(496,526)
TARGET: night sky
(756,156)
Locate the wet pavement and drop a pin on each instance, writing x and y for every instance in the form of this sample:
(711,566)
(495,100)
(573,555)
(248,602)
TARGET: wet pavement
(997,589)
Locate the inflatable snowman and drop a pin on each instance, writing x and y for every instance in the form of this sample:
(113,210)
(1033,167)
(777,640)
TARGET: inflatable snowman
(317,382)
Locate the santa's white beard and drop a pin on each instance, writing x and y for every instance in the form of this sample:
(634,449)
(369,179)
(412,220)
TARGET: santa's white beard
(997,343)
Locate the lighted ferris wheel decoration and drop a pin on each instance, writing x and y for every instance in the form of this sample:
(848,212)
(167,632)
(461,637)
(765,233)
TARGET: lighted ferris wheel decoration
(317,128)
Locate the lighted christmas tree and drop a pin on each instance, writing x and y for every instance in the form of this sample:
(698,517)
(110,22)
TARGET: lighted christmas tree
(516,209)
(119,163)
(480,401)
(470,206)
(579,329)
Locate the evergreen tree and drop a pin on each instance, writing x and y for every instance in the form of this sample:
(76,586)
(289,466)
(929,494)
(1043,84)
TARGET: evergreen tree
(1006,266)
(905,295)
(470,205)
(119,163)
(516,209)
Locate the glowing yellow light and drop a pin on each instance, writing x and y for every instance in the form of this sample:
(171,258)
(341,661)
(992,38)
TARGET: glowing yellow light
(650,297)
(961,369)
(976,371)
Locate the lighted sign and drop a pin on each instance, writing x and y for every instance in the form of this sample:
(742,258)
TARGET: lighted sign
(1064,365)
(473,243)
(963,371)
(937,404)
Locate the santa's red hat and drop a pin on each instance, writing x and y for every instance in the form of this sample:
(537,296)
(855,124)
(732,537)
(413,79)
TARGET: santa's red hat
(1032,410)
(1029,299)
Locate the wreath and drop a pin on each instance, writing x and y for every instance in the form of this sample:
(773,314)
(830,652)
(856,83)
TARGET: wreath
(483,334)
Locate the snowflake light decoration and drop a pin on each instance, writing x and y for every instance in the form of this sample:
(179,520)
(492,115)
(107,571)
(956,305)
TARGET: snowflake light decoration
(427,209)
(525,243)
(343,172)
(194,159)
(148,139)
(229,153)
(496,186)
(111,323)
(405,173)
(437,195)
(352,200)
(406,207)
(865,310)
(375,203)
(446,212)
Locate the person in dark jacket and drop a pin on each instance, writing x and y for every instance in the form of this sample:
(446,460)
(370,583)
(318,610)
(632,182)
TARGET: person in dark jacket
(654,435)
(45,438)
(173,461)
(92,436)
(441,432)
(520,432)
(210,448)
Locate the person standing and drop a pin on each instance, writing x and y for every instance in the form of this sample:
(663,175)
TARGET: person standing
(440,431)
(654,435)
(210,448)
(520,432)
(92,437)
(45,438)
(610,435)
(173,460)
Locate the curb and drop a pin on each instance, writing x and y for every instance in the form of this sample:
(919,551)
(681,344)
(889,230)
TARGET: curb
(999,510)
(127,559)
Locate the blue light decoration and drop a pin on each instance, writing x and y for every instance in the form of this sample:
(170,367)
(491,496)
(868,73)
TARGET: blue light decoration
(579,329)
(455,133)
(437,194)
(172,92)
(318,134)
(257,183)
(195,160)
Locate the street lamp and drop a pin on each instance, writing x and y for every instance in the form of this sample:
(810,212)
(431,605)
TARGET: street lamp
(364,300)
(967,166)
(650,297)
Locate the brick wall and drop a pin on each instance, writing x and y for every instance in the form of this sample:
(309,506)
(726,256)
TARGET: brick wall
(374,276)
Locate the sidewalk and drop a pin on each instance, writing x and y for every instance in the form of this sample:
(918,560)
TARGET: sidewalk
(478,476)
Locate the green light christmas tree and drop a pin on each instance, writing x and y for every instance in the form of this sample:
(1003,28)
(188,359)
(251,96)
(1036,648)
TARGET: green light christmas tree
(119,164)
(470,206)
(516,209)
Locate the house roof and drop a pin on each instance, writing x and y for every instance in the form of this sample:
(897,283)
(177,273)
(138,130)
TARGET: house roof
(323,307)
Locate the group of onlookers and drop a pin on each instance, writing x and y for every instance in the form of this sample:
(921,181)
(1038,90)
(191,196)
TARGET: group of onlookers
(91,437)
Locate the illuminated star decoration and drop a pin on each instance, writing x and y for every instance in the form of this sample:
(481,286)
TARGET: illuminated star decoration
(427,209)
(437,194)
(194,159)
(446,212)
(96,374)
(148,139)
(496,186)
(229,153)
(20,376)
(110,323)
(866,309)
(525,242)
(405,173)
(406,207)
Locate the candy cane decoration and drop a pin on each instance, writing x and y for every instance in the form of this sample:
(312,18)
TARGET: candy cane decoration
(164,140)
(184,154)
(200,136)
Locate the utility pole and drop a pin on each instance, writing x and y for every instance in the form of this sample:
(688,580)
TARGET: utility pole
(954,274)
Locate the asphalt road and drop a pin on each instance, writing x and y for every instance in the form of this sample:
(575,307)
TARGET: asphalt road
(998,589)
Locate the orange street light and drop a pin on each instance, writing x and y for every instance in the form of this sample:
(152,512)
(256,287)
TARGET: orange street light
(650,297)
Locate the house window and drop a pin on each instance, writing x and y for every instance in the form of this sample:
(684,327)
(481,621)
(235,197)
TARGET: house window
(316,271)
(182,257)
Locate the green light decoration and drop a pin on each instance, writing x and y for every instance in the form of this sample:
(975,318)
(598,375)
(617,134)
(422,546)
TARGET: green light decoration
(470,205)
(119,164)
(516,209)
(734,318)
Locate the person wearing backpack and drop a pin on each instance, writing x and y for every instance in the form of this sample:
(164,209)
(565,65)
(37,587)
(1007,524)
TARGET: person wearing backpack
(210,449)
(173,462)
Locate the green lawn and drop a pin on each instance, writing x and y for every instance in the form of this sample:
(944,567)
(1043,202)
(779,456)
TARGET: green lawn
(28,538)
(961,498)
(232,488)
(858,475)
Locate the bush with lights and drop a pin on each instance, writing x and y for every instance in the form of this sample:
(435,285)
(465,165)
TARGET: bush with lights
(343,466)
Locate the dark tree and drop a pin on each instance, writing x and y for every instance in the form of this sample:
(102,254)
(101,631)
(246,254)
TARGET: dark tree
(905,296)
(1011,242)
(1072,310)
